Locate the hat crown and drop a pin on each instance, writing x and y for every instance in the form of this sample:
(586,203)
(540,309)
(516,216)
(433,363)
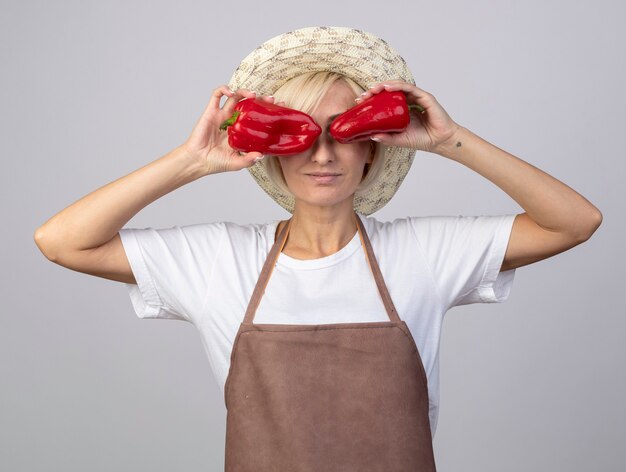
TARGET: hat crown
(365,58)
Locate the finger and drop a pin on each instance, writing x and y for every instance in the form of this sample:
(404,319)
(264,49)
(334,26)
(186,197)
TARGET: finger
(388,139)
(368,93)
(216,96)
(379,138)
(239,95)
(412,91)
(253,157)
(374,89)
(214,102)
(245,93)
(396,83)
(392,86)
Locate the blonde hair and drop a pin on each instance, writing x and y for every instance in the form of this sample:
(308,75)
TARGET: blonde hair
(304,92)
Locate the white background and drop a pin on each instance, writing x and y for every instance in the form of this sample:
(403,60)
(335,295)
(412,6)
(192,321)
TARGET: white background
(91,91)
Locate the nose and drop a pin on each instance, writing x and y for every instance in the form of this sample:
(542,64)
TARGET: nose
(322,150)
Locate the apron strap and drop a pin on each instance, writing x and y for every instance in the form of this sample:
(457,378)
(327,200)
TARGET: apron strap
(272,257)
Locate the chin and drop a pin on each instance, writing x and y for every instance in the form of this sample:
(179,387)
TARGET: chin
(325,202)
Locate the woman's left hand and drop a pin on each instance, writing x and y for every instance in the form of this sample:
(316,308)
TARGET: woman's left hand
(427,131)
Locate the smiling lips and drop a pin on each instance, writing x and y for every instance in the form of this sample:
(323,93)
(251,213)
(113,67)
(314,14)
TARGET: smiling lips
(324,177)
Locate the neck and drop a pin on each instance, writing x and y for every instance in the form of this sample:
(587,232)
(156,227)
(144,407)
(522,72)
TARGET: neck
(320,231)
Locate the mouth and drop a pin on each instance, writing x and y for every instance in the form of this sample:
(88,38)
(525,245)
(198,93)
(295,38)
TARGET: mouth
(324,177)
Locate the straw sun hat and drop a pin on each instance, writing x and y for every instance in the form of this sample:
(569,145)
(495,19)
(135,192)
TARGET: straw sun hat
(363,57)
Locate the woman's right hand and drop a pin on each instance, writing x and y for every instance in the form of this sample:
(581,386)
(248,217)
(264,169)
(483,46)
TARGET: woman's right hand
(209,145)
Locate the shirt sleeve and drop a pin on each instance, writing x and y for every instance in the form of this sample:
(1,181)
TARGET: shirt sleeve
(465,254)
(172,267)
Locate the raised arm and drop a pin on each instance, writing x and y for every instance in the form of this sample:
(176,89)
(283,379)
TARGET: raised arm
(85,235)
(556,217)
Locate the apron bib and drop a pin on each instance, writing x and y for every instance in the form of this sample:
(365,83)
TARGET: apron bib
(332,397)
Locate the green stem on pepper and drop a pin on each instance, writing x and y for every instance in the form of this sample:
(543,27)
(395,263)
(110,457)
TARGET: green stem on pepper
(417,107)
(230,121)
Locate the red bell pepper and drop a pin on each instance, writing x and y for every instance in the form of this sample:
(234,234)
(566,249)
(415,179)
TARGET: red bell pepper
(384,112)
(260,126)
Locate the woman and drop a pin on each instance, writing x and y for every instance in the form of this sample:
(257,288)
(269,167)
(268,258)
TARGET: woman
(334,365)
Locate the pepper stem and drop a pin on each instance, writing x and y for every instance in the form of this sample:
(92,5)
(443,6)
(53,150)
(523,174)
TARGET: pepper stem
(417,107)
(230,120)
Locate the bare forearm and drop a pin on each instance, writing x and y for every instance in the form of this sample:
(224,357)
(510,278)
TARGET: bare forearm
(96,218)
(549,202)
